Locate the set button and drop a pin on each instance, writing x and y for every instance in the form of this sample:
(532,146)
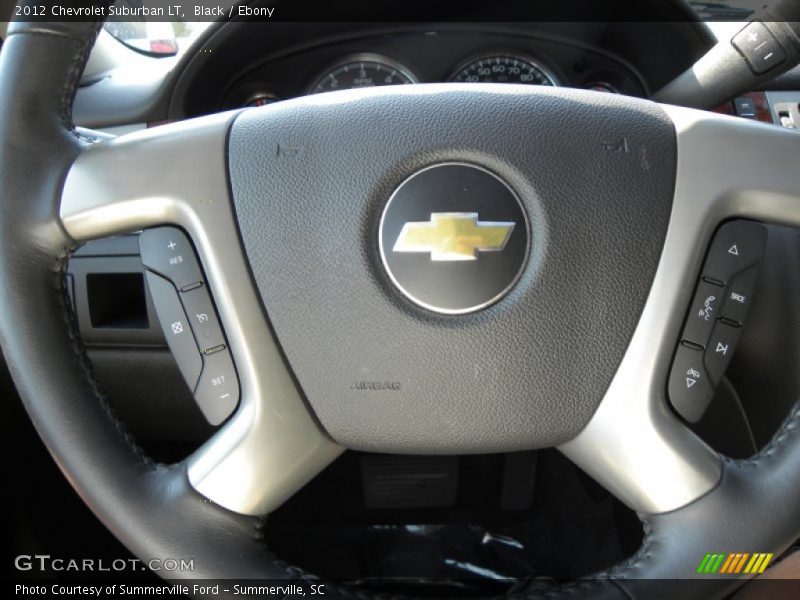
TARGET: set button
(217,392)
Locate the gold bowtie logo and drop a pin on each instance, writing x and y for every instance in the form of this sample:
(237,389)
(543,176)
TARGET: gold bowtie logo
(454,236)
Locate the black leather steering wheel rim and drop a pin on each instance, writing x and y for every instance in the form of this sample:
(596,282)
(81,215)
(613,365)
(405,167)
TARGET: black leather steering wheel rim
(152,508)
(123,486)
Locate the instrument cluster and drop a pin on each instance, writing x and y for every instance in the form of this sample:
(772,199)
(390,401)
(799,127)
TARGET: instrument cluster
(431,58)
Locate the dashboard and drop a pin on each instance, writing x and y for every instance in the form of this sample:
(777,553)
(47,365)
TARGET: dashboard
(246,64)
(239,64)
(432,56)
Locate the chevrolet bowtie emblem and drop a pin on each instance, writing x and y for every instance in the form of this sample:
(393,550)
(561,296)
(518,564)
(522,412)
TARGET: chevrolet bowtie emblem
(454,236)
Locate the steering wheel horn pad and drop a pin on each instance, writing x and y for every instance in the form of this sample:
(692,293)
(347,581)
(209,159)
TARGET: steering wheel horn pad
(525,372)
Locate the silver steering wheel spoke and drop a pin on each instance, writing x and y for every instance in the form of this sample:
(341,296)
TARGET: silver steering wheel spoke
(634,445)
(177,174)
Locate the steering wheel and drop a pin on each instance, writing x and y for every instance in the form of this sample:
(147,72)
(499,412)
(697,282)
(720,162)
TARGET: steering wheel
(344,337)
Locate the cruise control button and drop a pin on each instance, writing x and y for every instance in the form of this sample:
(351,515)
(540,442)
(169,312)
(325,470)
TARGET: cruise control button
(168,252)
(739,295)
(217,393)
(176,328)
(203,318)
(721,347)
(703,313)
(690,390)
(736,246)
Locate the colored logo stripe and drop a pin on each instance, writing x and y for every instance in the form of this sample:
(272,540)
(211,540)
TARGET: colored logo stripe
(734,563)
(758,564)
(710,563)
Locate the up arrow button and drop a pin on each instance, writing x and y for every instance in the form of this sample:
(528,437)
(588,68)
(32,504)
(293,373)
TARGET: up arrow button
(736,246)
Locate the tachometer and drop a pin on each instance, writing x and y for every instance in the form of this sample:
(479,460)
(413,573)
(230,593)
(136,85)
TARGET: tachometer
(260,99)
(504,68)
(364,70)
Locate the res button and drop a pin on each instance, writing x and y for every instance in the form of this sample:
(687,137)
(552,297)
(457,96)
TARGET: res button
(168,252)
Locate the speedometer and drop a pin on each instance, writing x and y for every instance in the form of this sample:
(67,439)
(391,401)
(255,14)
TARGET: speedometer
(504,68)
(363,70)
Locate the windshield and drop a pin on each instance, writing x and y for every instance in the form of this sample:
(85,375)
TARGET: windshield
(168,37)
(724,10)
(155,37)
